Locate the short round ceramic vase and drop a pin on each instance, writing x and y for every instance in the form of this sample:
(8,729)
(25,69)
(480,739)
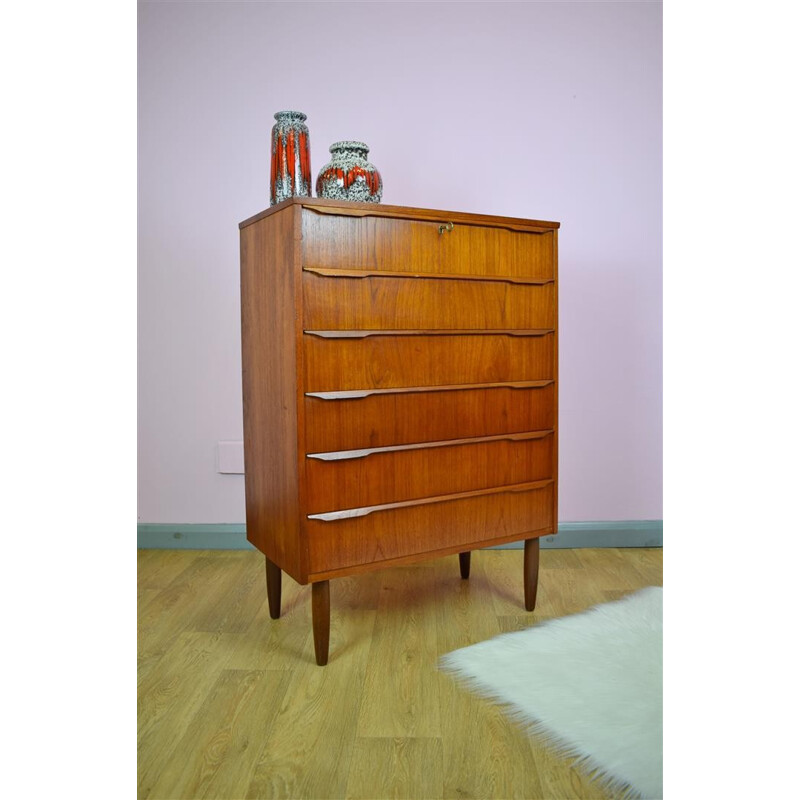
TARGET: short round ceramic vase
(349,176)
(290,175)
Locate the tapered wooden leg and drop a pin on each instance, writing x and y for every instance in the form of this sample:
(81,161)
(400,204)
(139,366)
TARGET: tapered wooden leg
(463,562)
(321,619)
(274,589)
(531,572)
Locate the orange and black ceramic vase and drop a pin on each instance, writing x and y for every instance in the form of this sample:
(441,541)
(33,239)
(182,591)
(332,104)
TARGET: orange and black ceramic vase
(290,175)
(349,176)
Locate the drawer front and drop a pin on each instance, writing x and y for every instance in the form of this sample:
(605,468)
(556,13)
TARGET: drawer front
(404,245)
(384,361)
(356,478)
(396,532)
(334,422)
(337,302)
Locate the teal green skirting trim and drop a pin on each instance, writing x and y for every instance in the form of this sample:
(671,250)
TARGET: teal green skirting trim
(192,536)
(626,533)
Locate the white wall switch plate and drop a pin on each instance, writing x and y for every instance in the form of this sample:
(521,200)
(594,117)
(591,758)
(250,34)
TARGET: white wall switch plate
(230,457)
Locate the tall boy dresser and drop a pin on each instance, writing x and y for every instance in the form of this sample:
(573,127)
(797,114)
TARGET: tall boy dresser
(400,389)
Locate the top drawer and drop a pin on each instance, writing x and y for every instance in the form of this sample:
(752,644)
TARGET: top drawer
(407,245)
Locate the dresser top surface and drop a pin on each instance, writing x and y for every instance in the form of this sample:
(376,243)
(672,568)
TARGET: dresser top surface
(323,205)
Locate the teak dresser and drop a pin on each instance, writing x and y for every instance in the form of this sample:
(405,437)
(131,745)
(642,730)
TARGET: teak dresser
(400,389)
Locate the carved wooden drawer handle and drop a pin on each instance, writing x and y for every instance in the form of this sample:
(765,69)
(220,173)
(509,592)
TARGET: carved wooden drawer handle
(350,513)
(323,272)
(346,455)
(358,394)
(363,334)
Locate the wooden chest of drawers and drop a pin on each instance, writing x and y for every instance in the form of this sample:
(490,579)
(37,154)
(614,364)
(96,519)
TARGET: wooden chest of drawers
(400,388)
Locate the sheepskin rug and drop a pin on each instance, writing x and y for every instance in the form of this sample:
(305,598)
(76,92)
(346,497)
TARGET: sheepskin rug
(590,684)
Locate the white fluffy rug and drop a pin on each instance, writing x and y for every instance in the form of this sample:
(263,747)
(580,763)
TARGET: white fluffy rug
(589,683)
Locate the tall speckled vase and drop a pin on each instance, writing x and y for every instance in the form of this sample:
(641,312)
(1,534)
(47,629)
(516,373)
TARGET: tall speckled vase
(290,175)
(349,176)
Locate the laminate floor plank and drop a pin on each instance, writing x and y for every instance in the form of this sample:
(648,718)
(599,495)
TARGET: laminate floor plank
(557,558)
(309,745)
(504,571)
(158,568)
(205,582)
(273,644)
(178,605)
(566,592)
(169,697)
(401,694)
(237,607)
(232,704)
(647,561)
(396,769)
(512,623)
(218,753)
(610,569)
(357,592)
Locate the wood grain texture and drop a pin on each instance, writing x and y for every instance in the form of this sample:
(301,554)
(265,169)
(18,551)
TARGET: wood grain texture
(404,635)
(349,455)
(450,321)
(321,205)
(171,694)
(420,528)
(218,753)
(383,362)
(425,416)
(407,768)
(439,276)
(364,511)
(249,714)
(342,303)
(272,644)
(365,333)
(269,389)
(197,594)
(415,245)
(395,475)
(421,557)
(308,747)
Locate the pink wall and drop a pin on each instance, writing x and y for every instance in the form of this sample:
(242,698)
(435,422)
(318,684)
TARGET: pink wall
(566,96)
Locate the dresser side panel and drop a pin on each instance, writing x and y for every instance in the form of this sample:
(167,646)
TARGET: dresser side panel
(555,386)
(269,389)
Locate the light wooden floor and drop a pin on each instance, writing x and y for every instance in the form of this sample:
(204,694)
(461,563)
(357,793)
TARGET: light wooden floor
(232,705)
